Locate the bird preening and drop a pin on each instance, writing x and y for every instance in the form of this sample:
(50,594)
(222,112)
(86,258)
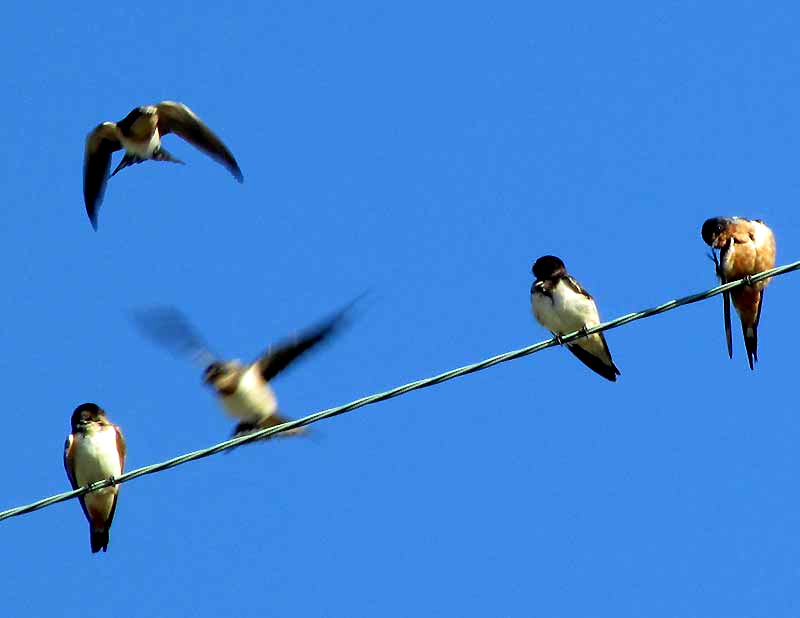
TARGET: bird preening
(746,247)
(139,134)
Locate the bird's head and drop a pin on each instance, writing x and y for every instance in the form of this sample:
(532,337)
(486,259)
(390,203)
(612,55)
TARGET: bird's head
(548,267)
(86,413)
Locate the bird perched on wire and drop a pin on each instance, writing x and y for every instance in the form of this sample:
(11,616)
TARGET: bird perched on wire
(243,389)
(746,247)
(139,134)
(95,451)
(562,306)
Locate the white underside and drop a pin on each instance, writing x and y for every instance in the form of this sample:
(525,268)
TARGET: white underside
(564,312)
(95,458)
(253,400)
(567,312)
(144,150)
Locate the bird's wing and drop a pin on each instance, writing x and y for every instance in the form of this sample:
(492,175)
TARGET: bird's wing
(280,356)
(176,118)
(100,143)
(577,287)
(122,448)
(170,328)
(68,455)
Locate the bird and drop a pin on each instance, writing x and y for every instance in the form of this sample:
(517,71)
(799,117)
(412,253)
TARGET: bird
(242,389)
(139,134)
(94,451)
(746,247)
(561,305)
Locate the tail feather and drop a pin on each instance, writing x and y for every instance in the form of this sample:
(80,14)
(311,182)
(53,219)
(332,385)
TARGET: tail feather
(163,155)
(751,343)
(127,160)
(603,367)
(271,421)
(99,540)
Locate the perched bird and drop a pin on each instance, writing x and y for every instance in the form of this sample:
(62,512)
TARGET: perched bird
(562,306)
(242,389)
(746,247)
(140,133)
(95,451)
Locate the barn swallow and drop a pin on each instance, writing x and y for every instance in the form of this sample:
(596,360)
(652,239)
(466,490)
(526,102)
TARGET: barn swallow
(562,306)
(95,451)
(243,390)
(140,133)
(746,247)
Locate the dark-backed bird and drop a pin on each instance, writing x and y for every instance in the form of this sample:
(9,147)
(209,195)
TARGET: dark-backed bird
(95,451)
(242,389)
(139,134)
(562,306)
(746,247)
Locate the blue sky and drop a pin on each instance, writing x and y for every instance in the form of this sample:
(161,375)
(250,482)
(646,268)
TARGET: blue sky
(427,153)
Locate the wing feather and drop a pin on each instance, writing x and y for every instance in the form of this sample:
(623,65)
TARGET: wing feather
(68,455)
(278,357)
(100,144)
(577,287)
(170,328)
(176,118)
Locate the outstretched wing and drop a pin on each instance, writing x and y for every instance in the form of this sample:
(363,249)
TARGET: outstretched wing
(170,328)
(100,143)
(176,118)
(280,356)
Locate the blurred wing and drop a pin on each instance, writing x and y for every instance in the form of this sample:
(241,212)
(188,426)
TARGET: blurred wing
(277,358)
(170,328)
(177,118)
(100,143)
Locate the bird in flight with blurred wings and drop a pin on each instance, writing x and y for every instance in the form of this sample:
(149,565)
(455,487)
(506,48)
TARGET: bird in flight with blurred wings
(243,390)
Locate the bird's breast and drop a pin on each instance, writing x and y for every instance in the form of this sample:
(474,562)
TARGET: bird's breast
(564,311)
(252,399)
(95,456)
(141,145)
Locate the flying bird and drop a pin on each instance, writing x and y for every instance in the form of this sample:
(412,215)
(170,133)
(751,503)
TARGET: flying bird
(139,134)
(562,306)
(95,451)
(242,389)
(746,247)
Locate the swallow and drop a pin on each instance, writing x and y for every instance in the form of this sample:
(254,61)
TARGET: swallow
(746,247)
(562,306)
(139,134)
(243,390)
(95,451)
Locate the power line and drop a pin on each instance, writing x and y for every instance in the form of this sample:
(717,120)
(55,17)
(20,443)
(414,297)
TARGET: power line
(396,392)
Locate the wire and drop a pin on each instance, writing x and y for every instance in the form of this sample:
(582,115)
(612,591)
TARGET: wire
(396,392)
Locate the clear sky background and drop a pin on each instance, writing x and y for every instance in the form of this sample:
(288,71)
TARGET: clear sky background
(427,152)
